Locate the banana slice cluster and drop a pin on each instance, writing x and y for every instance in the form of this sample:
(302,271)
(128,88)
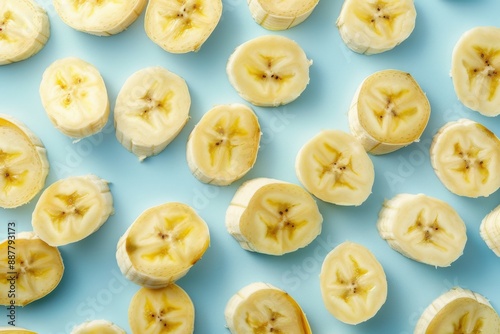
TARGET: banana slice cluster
(490,230)
(281,14)
(97,327)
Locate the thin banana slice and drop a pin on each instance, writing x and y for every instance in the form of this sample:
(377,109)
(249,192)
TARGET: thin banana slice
(490,230)
(24,30)
(376,26)
(475,70)
(269,70)
(162,244)
(263,308)
(75,98)
(459,311)
(97,327)
(466,158)
(423,228)
(353,283)
(15,330)
(273,217)
(71,209)
(181,26)
(23,163)
(151,110)
(388,111)
(223,146)
(281,14)
(29,267)
(335,168)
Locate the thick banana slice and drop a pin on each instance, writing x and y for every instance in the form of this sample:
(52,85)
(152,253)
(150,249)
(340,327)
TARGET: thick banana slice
(376,26)
(388,111)
(466,157)
(423,228)
(23,163)
(490,230)
(75,98)
(353,283)
(97,327)
(162,244)
(181,26)
(273,217)
(269,70)
(334,167)
(150,111)
(15,330)
(459,311)
(223,146)
(281,14)
(262,308)
(71,209)
(24,30)
(29,269)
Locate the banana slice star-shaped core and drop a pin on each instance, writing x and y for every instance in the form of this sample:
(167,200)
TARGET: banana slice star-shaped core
(350,286)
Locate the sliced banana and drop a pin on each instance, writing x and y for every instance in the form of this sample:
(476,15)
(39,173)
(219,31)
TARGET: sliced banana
(490,230)
(269,70)
(15,330)
(388,111)
(151,109)
(97,327)
(263,308)
(223,146)
(353,283)
(74,96)
(162,244)
(181,26)
(281,14)
(466,157)
(23,163)
(71,209)
(335,168)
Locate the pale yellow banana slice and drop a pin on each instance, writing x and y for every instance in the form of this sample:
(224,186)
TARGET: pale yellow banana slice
(97,327)
(490,230)
(168,310)
(273,217)
(99,17)
(353,283)
(162,244)
(15,330)
(71,209)
(24,30)
(223,146)
(263,308)
(269,70)
(335,168)
(423,228)
(74,96)
(29,268)
(388,111)
(181,26)
(23,163)
(466,158)
(459,311)
(375,26)
(281,14)
(150,111)
(475,70)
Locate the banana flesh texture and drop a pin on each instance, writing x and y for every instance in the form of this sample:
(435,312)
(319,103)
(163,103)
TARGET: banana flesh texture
(15,330)
(97,327)
(269,70)
(263,308)
(223,146)
(279,14)
(490,230)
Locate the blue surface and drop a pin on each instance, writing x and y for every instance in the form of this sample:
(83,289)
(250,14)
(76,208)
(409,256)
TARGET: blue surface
(93,287)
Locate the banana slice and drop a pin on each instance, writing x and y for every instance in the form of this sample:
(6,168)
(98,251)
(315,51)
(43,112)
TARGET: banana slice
(99,17)
(223,146)
(376,26)
(459,311)
(466,156)
(262,308)
(32,269)
(353,283)
(24,30)
(97,327)
(388,111)
(490,230)
(23,163)
(281,14)
(269,70)
(75,98)
(15,330)
(181,26)
(475,70)
(71,209)
(168,310)
(273,217)
(162,244)
(334,167)
(423,228)
(151,110)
